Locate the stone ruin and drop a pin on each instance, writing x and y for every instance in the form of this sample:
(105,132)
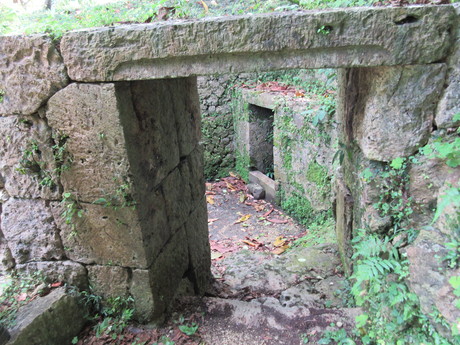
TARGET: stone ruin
(101,164)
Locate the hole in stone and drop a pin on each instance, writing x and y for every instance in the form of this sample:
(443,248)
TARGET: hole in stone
(105,217)
(406,20)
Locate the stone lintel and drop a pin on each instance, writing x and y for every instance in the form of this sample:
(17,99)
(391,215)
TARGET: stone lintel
(311,39)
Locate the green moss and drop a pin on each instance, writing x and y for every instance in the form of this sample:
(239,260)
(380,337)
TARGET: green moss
(243,162)
(299,207)
(317,174)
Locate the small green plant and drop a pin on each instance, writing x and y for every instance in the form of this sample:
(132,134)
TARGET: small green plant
(189,329)
(324,30)
(71,209)
(111,315)
(121,198)
(2,95)
(16,293)
(339,337)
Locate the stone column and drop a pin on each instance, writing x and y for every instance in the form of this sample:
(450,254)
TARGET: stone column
(136,184)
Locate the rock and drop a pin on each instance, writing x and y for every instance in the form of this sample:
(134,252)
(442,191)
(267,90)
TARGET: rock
(300,295)
(448,106)
(29,228)
(391,104)
(26,158)
(430,281)
(53,319)
(359,37)
(72,273)
(153,290)
(256,191)
(91,115)
(29,60)
(199,249)
(4,335)
(229,322)
(108,281)
(102,235)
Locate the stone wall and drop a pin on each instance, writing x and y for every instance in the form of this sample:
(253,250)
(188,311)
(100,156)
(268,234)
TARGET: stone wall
(384,127)
(102,183)
(302,148)
(101,173)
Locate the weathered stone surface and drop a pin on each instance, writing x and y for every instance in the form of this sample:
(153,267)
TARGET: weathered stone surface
(197,233)
(67,271)
(176,193)
(358,37)
(54,319)
(31,71)
(270,186)
(449,104)
(388,101)
(102,235)
(279,273)
(429,280)
(108,281)
(30,230)
(256,191)
(229,322)
(90,115)
(153,289)
(18,137)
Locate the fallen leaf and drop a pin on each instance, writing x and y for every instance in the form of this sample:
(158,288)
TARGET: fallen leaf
(230,186)
(243,197)
(266,214)
(279,241)
(212,220)
(243,219)
(280,250)
(299,94)
(57,284)
(249,243)
(232,174)
(205,6)
(278,220)
(259,207)
(216,255)
(210,199)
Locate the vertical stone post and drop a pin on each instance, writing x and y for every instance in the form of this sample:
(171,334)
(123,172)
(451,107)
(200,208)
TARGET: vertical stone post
(136,183)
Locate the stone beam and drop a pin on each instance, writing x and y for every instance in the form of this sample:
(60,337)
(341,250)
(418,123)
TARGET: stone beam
(356,37)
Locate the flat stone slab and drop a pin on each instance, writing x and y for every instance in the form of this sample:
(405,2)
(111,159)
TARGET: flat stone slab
(53,320)
(355,37)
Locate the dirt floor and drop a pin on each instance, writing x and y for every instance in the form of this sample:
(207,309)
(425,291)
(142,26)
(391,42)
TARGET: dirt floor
(267,289)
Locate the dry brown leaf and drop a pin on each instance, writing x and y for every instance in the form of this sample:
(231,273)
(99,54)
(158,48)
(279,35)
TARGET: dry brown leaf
(210,199)
(243,219)
(280,250)
(278,220)
(205,6)
(232,174)
(249,243)
(259,207)
(212,220)
(279,241)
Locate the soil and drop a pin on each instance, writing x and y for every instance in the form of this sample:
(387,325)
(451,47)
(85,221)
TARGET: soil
(265,289)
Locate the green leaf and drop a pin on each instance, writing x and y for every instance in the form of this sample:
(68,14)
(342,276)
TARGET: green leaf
(361,320)
(455,282)
(74,340)
(397,163)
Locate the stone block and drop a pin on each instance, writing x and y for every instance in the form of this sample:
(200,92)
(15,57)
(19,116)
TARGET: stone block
(154,148)
(400,100)
(53,319)
(108,281)
(449,105)
(91,116)
(102,235)
(270,186)
(153,289)
(358,37)
(177,196)
(29,228)
(198,246)
(71,272)
(26,157)
(31,71)
(256,190)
